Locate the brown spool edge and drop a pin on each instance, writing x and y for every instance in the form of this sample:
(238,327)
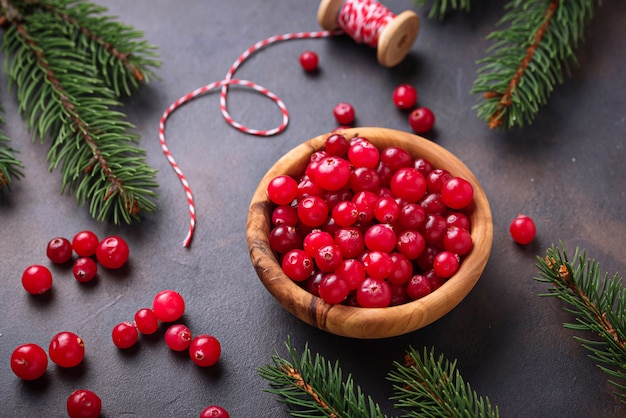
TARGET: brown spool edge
(327,14)
(397,38)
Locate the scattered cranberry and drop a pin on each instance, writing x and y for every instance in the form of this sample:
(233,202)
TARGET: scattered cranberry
(146,321)
(59,250)
(66,349)
(404,96)
(84,269)
(168,305)
(85,243)
(205,350)
(29,361)
(112,252)
(83,403)
(37,279)
(309,61)
(124,335)
(421,120)
(214,411)
(178,337)
(344,113)
(523,229)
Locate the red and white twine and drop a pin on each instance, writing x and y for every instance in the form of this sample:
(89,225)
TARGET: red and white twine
(362,20)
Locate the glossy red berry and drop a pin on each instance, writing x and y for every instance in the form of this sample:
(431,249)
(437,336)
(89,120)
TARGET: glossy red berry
(404,96)
(373,293)
(333,289)
(84,269)
(178,337)
(312,211)
(457,193)
(332,173)
(418,287)
(59,250)
(37,279)
(168,305)
(29,361)
(408,184)
(146,321)
(445,264)
(523,229)
(282,190)
(309,60)
(124,335)
(344,113)
(214,411)
(421,120)
(205,350)
(297,265)
(84,403)
(112,252)
(85,243)
(66,349)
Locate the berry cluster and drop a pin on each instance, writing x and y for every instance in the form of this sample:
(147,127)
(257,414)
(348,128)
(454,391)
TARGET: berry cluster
(168,306)
(369,227)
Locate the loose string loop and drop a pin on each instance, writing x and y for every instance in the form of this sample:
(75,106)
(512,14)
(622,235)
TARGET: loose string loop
(364,20)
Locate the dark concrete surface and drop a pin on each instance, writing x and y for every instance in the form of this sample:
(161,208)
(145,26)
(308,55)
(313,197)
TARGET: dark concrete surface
(566,171)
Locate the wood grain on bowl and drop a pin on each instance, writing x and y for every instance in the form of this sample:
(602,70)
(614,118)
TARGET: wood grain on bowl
(359,322)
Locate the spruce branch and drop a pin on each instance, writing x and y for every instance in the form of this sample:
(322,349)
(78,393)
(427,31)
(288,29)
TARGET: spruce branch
(69,65)
(529,56)
(10,166)
(431,386)
(599,305)
(438,9)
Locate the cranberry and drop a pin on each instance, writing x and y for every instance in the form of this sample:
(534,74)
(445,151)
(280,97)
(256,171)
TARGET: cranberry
(205,350)
(365,202)
(344,113)
(522,229)
(112,252)
(404,96)
(284,238)
(59,250)
(418,287)
(337,145)
(402,269)
(352,272)
(408,184)
(436,178)
(332,173)
(124,335)
(410,243)
(445,264)
(29,361)
(37,279)
(312,211)
(328,257)
(282,190)
(214,411)
(146,321)
(333,289)
(85,243)
(374,293)
(421,120)
(364,178)
(178,337)
(66,349)
(84,403)
(309,61)
(396,158)
(457,193)
(412,216)
(84,269)
(363,153)
(307,187)
(284,215)
(378,264)
(387,210)
(457,240)
(345,213)
(380,237)
(297,265)
(168,305)
(350,241)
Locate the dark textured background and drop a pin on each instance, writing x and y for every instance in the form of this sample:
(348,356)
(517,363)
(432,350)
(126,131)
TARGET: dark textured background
(566,171)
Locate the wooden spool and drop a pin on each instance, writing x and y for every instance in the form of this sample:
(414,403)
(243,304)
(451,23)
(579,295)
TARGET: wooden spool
(367,323)
(394,42)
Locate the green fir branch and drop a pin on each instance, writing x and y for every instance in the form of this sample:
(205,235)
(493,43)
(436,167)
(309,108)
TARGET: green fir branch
(439,9)
(431,386)
(528,57)
(598,303)
(64,97)
(10,166)
(313,387)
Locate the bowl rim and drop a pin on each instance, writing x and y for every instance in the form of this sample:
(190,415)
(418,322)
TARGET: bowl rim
(356,322)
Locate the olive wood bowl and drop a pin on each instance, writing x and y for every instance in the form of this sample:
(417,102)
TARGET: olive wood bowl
(356,322)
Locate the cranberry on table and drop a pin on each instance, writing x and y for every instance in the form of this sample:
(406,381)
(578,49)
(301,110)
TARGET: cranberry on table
(66,349)
(404,96)
(421,120)
(522,229)
(37,279)
(178,337)
(83,403)
(309,60)
(59,250)
(344,113)
(168,305)
(124,335)
(205,350)
(84,269)
(214,411)
(29,361)
(146,321)
(112,252)
(85,243)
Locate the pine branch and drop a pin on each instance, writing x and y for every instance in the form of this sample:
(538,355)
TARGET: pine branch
(313,387)
(599,304)
(528,58)
(10,166)
(62,97)
(438,9)
(427,386)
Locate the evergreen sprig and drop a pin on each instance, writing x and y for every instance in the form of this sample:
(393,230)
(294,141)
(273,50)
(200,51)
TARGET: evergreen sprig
(529,56)
(10,166)
(598,303)
(431,386)
(438,9)
(425,386)
(70,64)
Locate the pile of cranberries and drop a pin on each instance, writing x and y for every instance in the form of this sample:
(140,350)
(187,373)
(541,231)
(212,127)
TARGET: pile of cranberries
(369,227)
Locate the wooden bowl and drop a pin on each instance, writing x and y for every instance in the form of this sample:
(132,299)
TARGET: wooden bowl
(359,322)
